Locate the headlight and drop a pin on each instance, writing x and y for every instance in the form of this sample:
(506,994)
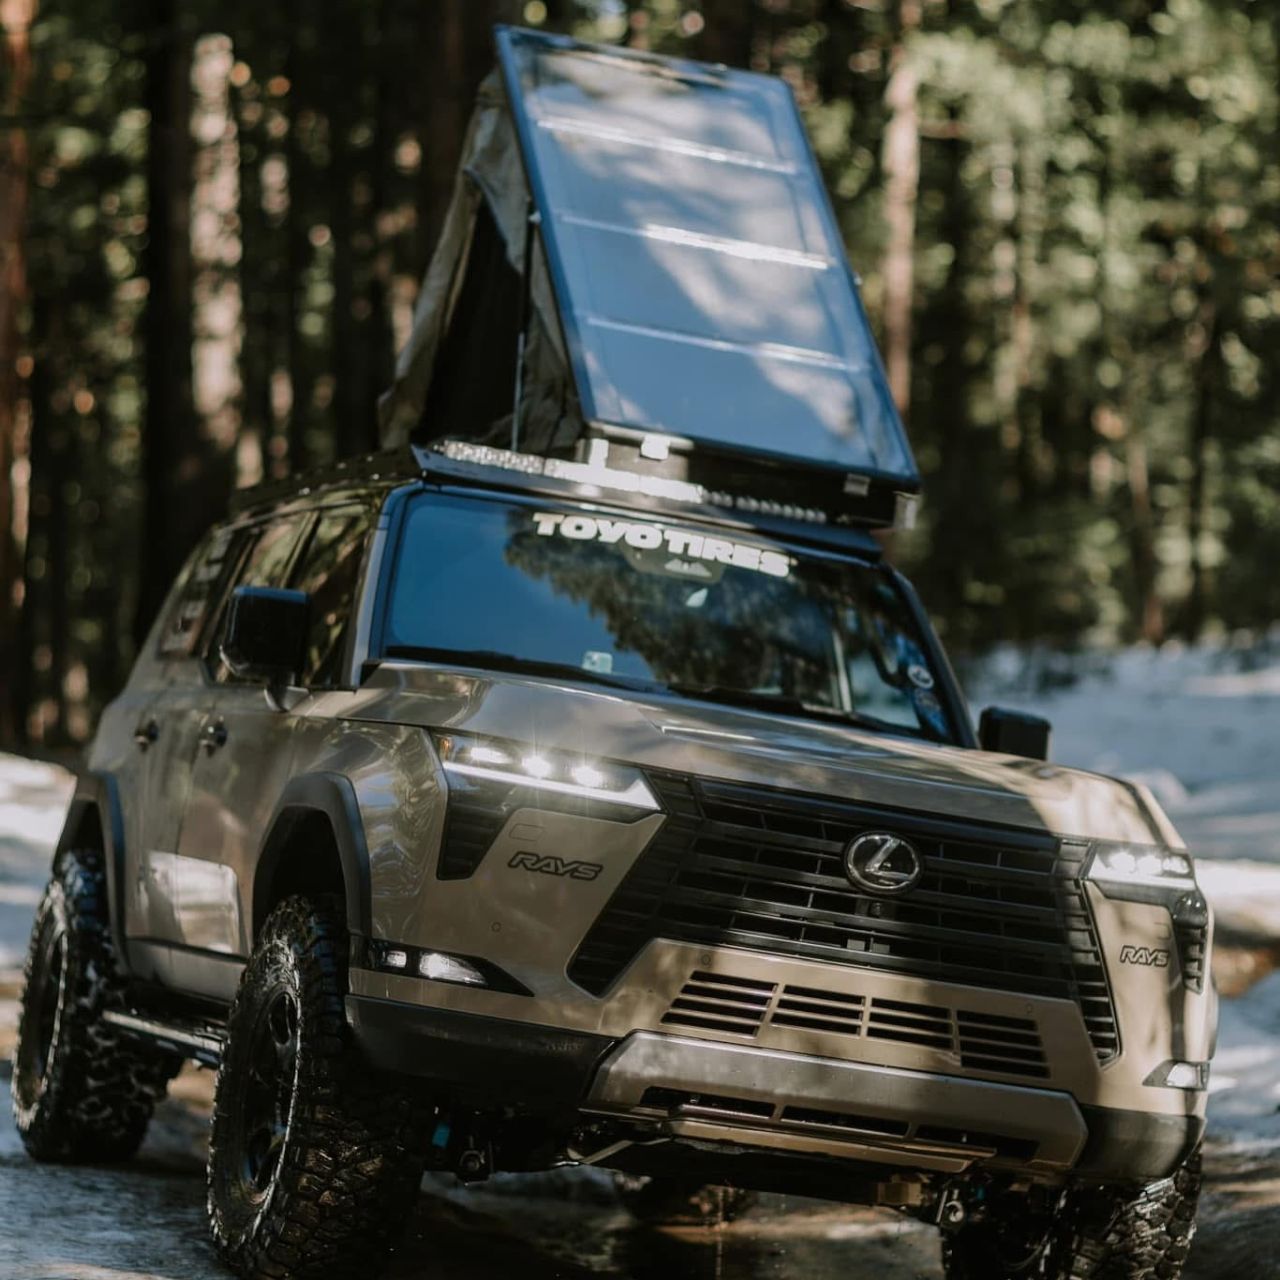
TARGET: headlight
(559,772)
(1126,865)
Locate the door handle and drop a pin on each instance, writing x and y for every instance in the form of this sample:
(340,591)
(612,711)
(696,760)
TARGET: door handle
(145,734)
(213,736)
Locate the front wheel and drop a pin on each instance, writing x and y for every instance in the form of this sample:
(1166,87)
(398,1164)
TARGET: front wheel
(314,1159)
(1101,1233)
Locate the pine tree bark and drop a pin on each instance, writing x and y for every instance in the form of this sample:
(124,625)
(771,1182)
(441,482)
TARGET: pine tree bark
(1201,433)
(175,506)
(16,17)
(902,183)
(459,55)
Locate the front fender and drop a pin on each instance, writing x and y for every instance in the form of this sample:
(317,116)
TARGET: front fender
(330,795)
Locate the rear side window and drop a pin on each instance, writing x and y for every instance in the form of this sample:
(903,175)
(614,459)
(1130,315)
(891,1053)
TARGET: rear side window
(329,574)
(198,595)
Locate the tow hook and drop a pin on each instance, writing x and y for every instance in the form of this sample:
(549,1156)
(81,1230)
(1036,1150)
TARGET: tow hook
(951,1212)
(475,1163)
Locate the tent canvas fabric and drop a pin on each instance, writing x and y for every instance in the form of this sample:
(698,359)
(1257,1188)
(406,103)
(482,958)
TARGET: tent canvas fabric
(687,274)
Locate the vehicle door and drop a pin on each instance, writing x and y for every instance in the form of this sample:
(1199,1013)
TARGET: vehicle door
(165,739)
(247,744)
(198,889)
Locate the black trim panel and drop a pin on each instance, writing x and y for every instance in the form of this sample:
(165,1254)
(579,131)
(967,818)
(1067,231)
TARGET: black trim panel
(1137,1146)
(332,795)
(521,1063)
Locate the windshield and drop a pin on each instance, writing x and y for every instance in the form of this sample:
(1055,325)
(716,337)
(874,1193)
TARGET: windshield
(659,605)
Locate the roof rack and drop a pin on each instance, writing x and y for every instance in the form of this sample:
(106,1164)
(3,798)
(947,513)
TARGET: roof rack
(387,465)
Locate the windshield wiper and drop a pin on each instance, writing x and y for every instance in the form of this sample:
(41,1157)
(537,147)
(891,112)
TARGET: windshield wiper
(496,660)
(761,700)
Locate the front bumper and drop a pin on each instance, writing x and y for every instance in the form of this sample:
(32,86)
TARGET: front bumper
(751,1099)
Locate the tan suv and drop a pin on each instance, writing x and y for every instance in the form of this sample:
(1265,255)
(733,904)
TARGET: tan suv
(605,797)
(465,822)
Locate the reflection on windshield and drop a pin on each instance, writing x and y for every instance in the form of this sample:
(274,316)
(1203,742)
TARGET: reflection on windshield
(656,603)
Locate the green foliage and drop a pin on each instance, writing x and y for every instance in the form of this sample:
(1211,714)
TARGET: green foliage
(1096,332)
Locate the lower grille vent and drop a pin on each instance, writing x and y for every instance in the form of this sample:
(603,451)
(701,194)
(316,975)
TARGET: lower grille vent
(713,1002)
(813,1010)
(922,1024)
(744,1006)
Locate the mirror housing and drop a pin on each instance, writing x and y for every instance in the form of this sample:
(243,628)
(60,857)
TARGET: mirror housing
(266,633)
(1014,733)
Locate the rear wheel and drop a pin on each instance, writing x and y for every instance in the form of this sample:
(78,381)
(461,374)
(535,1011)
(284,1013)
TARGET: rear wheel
(82,1089)
(1101,1233)
(314,1159)
(680,1201)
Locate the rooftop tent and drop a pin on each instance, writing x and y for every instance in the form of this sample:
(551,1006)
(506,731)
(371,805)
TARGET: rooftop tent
(687,277)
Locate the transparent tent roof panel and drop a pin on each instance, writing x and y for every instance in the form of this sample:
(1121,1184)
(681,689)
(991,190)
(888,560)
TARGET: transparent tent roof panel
(702,284)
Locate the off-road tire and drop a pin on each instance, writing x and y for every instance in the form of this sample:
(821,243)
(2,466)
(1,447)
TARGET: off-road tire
(349,1147)
(1098,1234)
(673,1201)
(82,1089)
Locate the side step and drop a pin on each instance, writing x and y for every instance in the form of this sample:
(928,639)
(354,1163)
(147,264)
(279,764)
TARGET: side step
(202,1041)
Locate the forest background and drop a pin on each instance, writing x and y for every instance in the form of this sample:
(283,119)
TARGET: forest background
(214,219)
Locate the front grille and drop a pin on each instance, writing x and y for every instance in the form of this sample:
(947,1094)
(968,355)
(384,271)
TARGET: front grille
(745,1006)
(763,869)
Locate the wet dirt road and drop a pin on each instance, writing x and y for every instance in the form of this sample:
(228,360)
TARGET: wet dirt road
(145,1221)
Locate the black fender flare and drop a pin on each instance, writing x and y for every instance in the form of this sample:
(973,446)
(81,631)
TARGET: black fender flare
(333,796)
(96,820)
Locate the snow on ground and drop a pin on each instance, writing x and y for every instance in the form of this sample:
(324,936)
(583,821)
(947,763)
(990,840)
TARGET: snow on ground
(1200,727)
(33,802)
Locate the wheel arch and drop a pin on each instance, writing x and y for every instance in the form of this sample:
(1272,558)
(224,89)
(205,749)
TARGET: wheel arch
(95,821)
(314,844)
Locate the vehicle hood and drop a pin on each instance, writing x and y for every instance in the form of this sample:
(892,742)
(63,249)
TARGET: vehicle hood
(762,748)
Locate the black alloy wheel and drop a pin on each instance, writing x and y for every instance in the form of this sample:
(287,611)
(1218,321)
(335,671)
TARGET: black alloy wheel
(315,1158)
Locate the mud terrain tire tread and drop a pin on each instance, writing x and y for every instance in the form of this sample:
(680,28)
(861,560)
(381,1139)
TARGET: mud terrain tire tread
(352,1158)
(99,1087)
(1143,1237)
(1099,1234)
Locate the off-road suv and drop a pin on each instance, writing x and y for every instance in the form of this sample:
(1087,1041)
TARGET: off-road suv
(611,801)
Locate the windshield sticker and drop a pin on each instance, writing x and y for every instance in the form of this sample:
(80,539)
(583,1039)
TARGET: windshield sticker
(920,676)
(690,552)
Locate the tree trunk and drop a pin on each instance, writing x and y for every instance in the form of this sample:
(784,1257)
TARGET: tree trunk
(17,17)
(1201,434)
(728,34)
(172,461)
(458,58)
(297,257)
(902,182)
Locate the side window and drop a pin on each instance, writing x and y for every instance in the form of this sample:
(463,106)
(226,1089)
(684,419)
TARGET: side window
(198,595)
(266,563)
(329,575)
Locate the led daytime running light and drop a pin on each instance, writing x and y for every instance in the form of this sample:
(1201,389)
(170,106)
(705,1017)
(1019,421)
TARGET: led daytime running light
(1151,867)
(558,772)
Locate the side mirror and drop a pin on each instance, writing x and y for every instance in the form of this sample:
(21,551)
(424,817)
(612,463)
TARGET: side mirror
(266,633)
(1014,733)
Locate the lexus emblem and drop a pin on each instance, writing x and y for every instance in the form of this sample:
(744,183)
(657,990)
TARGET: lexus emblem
(882,863)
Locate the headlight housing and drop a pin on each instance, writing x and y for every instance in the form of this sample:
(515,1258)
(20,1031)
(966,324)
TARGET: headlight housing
(563,773)
(1141,866)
